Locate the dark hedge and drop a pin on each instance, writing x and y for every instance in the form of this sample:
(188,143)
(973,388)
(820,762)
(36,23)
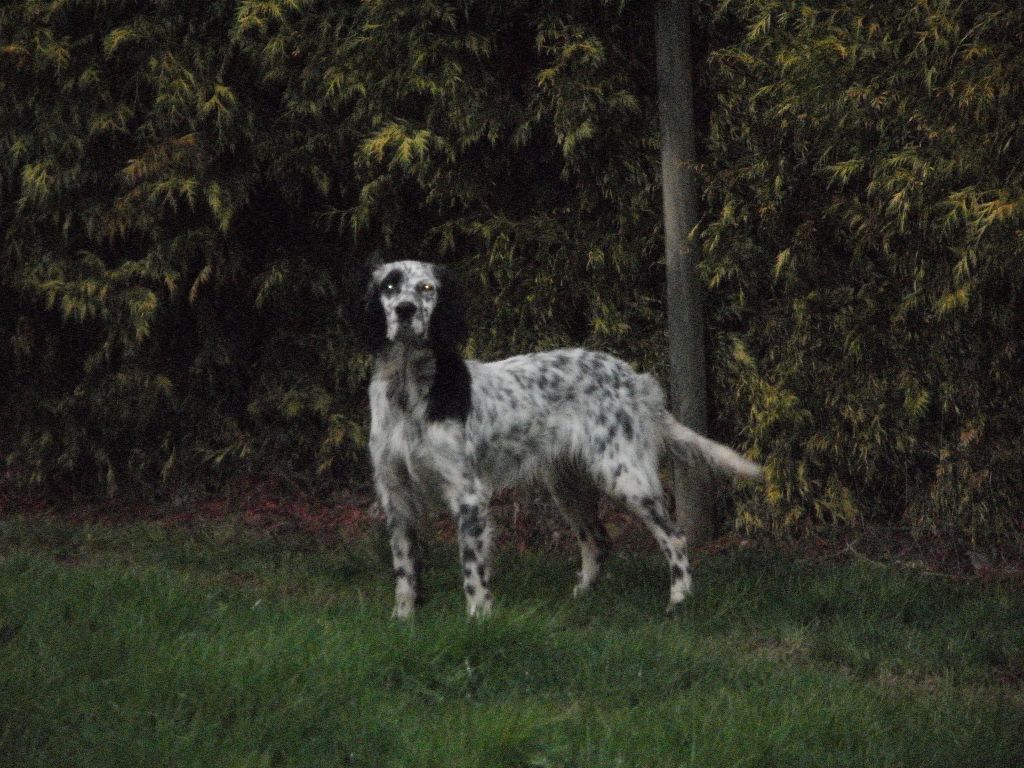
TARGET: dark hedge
(189,194)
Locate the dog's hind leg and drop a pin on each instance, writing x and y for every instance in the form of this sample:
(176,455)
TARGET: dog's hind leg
(641,493)
(577,499)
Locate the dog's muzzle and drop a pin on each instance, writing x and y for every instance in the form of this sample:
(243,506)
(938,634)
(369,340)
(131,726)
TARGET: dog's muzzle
(405,312)
(408,324)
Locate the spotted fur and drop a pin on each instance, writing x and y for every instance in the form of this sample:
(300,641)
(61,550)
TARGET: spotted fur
(450,431)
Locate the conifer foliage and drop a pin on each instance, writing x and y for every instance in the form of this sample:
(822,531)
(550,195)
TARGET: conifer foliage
(164,300)
(189,192)
(865,204)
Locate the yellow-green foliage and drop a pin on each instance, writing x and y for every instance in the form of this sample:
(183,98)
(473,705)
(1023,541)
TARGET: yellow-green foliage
(188,193)
(865,199)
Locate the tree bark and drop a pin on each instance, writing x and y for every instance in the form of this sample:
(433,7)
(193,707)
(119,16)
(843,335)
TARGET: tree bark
(684,299)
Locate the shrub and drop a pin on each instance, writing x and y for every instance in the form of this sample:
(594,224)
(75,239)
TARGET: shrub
(864,196)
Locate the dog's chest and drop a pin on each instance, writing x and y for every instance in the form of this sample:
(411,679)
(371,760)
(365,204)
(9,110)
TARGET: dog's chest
(402,439)
(400,384)
(396,416)
(430,456)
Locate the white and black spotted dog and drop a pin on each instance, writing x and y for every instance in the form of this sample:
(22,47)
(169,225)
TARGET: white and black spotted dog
(450,431)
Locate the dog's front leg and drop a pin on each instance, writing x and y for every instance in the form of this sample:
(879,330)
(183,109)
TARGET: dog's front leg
(470,511)
(400,522)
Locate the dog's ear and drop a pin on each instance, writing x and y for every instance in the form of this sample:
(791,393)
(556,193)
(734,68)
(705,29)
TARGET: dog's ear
(448,326)
(366,315)
(450,395)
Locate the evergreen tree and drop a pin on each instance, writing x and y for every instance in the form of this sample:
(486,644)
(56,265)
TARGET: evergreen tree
(189,192)
(865,198)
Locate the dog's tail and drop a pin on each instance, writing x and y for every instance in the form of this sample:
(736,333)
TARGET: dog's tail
(691,449)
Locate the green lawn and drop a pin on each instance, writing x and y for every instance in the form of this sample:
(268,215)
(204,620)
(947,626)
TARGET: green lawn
(143,645)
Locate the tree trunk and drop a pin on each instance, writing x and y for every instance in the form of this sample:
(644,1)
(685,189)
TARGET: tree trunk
(687,384)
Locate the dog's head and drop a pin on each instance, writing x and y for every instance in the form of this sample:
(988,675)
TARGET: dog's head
(413,303)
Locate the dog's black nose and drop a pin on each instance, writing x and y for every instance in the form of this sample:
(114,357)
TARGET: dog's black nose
(405,311)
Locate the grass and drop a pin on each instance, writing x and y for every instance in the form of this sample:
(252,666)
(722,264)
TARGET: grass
(218,645)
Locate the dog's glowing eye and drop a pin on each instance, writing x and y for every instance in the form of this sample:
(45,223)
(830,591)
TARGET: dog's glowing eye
(425,287)
(390,289)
